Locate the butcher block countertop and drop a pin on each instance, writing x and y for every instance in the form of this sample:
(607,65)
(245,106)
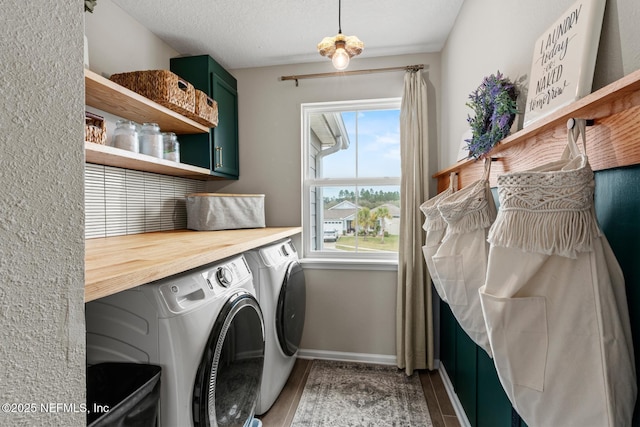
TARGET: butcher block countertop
(114,264)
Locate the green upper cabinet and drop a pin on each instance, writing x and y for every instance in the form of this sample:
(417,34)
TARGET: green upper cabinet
(217,150)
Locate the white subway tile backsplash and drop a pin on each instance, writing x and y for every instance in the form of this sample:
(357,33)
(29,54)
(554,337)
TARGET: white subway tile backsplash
(167,202)
(115,201)
(180,207)
(135,201)
(152,202)
(95,216)
(122,201)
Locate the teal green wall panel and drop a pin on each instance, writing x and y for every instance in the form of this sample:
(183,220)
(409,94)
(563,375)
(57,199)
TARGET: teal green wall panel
(617,201)
(466,373)
(448,326)
(494,407)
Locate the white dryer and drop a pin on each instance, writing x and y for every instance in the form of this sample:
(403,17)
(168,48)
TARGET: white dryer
(203,327)
(281,291)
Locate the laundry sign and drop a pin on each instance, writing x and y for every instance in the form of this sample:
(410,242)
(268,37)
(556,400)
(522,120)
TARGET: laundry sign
(564,59)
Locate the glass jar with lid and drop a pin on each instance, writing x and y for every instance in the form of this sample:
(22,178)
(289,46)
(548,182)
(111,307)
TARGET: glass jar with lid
(125,136)
(151,140)
(171,146)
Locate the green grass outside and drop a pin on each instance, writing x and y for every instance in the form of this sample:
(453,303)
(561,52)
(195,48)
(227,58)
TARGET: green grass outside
(348,243)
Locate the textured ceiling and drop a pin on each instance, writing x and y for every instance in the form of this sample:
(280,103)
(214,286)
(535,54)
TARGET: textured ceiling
(255,33)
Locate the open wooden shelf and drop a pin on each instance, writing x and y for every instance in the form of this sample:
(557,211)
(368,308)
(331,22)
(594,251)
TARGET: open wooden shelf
(111,156)
(613,141)
(108,96)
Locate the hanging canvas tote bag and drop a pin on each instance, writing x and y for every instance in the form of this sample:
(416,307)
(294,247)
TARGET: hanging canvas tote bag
(554,301)
(461,260)
(435,227)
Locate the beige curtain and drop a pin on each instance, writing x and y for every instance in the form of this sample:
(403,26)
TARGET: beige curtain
(414,320)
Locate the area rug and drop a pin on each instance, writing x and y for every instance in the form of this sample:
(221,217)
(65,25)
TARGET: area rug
(348,394)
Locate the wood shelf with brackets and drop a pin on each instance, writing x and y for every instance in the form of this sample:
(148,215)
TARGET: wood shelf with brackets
(612,141)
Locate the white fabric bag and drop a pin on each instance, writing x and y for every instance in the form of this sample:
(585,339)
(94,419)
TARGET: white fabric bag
(435,227)
(554,301)
(461,259)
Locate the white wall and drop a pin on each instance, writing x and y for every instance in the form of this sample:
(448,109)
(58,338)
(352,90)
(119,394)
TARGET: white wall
(270,163)
(41,211)
(350,312)
(118,43)
(492,35)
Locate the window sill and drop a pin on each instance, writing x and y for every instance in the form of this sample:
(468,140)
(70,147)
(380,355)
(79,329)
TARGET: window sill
(349,264)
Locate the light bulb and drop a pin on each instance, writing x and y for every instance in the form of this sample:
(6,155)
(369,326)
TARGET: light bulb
(340,59)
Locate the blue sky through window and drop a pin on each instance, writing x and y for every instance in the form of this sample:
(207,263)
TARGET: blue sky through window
(375,136)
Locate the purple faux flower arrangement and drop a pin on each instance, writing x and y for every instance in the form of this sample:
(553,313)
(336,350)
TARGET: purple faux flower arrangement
(494,105)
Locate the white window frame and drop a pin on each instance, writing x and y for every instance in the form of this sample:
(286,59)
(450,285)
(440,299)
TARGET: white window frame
(320,259)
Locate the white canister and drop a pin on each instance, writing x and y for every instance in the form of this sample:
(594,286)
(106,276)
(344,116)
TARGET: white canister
(151,140)
(125,136)
(171,146)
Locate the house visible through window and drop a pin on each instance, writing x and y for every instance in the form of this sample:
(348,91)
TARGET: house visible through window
(351,179)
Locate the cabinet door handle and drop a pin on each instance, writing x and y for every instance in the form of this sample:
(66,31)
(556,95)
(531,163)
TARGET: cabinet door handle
(219,150)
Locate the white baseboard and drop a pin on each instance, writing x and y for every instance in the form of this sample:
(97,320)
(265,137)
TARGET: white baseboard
(457,406)
(381,359)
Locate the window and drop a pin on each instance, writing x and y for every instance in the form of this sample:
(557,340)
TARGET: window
(351,179)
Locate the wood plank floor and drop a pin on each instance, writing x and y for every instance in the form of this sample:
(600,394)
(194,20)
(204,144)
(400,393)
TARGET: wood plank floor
(282,412)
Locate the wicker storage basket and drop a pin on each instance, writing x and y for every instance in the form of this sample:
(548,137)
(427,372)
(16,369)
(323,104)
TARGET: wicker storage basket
(218,211)
(161,86)
(95,129)
(206,110)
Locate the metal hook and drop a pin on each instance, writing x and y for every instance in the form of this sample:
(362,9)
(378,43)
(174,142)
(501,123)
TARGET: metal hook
(571,123)
(453,180)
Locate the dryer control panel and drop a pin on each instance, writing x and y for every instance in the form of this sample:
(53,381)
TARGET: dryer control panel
(278,253)
(188,290)
(227,275)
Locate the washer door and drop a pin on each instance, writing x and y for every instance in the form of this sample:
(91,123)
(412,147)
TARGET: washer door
(228,378)
(291,309)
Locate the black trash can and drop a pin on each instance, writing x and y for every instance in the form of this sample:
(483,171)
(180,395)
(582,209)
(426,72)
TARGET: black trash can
(123,394)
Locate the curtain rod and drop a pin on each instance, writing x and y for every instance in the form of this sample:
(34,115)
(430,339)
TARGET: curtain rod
(354,72)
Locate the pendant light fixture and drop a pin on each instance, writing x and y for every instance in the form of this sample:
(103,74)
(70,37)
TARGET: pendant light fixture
(340,48)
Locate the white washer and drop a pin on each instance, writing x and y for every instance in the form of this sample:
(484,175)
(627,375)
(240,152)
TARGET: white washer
(203,327)
(280,286)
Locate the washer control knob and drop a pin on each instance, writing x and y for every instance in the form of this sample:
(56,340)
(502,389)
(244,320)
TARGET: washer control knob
(224,276)
(285,252)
